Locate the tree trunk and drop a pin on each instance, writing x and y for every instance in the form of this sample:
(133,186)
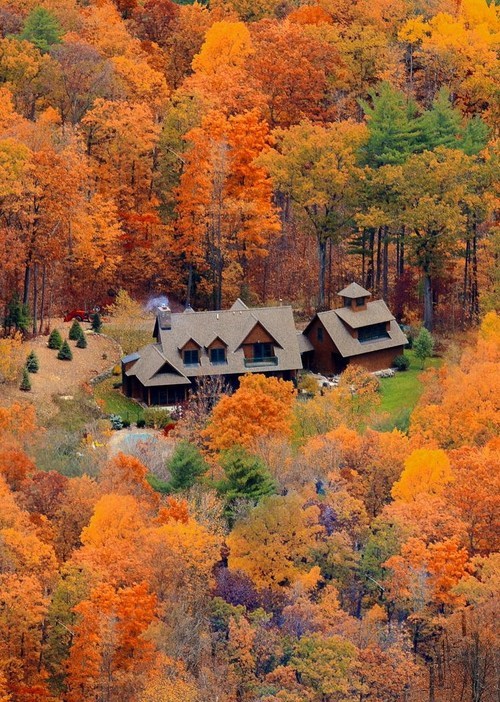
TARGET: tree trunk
(27,283)
(385,265)
(428,307)
(42,301)
(35,297)
(465,287)
(321,272)
(379,267)
(474,302)
(369,274)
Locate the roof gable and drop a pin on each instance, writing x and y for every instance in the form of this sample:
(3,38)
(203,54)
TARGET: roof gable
(354,290)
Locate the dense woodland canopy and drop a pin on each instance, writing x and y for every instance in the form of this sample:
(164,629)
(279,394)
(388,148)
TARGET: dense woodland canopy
(291,550)
(306,558)
(266,149)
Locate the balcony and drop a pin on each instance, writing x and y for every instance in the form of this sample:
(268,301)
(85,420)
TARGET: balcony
(253,361)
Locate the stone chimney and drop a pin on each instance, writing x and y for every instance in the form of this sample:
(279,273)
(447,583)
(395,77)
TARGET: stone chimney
(164,318)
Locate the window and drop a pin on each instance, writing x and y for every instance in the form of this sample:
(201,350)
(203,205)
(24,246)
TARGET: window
(262,351)
(217,355)
(191,357)
(320,333)
(347,302)
(372,332)
(360,302)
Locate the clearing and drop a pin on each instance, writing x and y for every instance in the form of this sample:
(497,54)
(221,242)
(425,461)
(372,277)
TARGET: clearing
(61,378)
(401,393)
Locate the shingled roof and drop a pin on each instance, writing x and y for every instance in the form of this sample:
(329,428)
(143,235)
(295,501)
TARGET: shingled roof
(337,323)
(162,363)
(354,290)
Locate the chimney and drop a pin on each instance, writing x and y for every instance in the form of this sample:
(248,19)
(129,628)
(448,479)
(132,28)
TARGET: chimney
(164,317)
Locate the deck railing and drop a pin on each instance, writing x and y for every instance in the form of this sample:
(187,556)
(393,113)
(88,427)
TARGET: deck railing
(261,361)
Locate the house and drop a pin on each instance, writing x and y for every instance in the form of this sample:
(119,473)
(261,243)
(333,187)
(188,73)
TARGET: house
(361,332)
(226,342)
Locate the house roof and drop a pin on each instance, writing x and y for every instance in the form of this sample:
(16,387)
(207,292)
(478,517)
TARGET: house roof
(354,290)
(347,345)
(233,326)
(375,312)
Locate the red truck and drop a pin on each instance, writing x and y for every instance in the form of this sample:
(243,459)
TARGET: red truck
(81,315)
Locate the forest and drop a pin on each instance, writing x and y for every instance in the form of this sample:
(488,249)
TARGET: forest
(279,543)
(271,150)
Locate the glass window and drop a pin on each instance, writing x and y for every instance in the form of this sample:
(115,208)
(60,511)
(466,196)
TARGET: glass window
(373,332)
(191,357)
(320,333)
(218,355)
(262,350)
(360,302)
(347,302)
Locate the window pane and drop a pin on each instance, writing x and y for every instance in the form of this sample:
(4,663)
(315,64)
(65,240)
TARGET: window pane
(191,357)
(218,355)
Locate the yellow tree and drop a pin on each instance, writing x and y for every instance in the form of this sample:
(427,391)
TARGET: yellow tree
(426,471)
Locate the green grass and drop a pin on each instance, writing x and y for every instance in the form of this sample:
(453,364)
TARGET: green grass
(401,393)
(114,402)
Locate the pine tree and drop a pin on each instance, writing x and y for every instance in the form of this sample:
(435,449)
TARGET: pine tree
(65,353)
(96,323)
(423,345)
(32,363)
(76,331)
(440,126)
(81,342)
(55,339)
(17,316)
(392,126)
(247,477)
(42,29)
(186,465)
(26,382)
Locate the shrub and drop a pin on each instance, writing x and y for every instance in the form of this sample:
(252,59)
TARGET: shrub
(81,342)
(141,423)
(117,369)
(25,382)
(32,363)
(96,323)
(126,423)
(65,353)
(76,331)
(116,422)
(401,363)
(117,385)
(55,339)
(423,345)
(157,418)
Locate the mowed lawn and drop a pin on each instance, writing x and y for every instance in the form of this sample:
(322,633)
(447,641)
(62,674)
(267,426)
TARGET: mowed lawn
(114,402)
(401,393)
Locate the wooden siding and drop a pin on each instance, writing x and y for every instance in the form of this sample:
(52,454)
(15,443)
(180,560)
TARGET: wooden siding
(322,358)
(377,360)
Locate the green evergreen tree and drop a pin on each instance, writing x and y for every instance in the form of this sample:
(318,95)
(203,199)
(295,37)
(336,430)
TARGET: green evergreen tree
(17,316)
(440,126)
(96,323)
(423,345)
(247,477)
(81,342)
(392,125)
(55,339)
(25,382)
(186,465)
(475,136)
(76,331)
(32,363)
(65,353)
(42,29)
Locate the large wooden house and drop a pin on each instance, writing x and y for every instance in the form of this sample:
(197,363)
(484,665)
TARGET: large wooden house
(362,332)
(241,340)
(229,343)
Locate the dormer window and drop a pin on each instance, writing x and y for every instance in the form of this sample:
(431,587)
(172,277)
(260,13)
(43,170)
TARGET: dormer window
(191,357)
(360,302)
(218,355)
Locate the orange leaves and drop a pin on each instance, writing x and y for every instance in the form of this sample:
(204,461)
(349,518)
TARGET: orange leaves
(260,407)
(110,650)
(227,44)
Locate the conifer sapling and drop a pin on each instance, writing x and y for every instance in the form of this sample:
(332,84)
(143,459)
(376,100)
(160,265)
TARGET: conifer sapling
(65,353)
